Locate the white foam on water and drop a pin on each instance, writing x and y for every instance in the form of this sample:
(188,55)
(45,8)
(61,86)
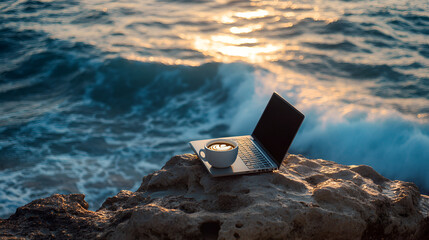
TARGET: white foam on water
(91,146)
(395,144)
(249,91)
(392,143)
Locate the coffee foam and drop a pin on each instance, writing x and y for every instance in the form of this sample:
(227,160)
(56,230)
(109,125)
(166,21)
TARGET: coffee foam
(221,146)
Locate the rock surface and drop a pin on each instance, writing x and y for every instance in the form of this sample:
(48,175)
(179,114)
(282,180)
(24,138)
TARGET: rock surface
(305,199)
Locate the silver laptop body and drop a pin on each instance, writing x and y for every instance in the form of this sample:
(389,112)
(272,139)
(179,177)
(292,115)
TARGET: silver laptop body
(266,148)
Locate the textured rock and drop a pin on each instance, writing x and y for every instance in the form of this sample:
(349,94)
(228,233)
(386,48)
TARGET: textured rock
(58,216)
(305,199)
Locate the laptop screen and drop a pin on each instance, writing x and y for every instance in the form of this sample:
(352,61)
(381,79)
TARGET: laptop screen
(277,127)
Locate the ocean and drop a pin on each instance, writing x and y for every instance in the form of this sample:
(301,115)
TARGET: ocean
(96,94)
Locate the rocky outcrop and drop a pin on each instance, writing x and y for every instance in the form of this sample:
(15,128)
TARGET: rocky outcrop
(305,199)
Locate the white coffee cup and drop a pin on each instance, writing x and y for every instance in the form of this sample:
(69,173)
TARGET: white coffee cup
(224,155)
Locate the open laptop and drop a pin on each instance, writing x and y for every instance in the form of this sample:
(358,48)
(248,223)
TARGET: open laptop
(266,148)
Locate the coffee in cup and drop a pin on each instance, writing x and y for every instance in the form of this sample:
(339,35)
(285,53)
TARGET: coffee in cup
(220,153)
(220,146)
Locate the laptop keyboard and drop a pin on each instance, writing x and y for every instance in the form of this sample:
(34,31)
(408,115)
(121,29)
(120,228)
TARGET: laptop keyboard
(250,154)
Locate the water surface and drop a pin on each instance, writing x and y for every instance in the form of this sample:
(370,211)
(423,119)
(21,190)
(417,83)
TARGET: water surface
(96,94)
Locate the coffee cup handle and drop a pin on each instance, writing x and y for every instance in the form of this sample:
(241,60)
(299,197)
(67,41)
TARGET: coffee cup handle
(201,156)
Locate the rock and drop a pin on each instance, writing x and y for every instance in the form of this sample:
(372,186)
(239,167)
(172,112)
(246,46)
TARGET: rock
(58,216)
(305,199)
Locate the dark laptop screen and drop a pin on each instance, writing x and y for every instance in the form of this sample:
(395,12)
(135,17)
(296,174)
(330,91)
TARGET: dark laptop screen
(277,127)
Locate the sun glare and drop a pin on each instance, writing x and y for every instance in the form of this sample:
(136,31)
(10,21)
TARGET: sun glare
(260,13)
(246,29)
(229,48)
(248,52)
(233,40)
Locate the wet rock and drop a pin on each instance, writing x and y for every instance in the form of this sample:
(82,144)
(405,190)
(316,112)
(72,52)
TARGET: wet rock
(305,199)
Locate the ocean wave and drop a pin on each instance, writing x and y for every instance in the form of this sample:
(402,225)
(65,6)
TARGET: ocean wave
(125,112)
(386,140)
(131,111)
(94,96)
(93,17)
(346,46)
(395,147)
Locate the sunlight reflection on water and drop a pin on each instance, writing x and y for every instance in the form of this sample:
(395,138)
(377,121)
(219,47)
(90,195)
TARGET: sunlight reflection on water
(117,82)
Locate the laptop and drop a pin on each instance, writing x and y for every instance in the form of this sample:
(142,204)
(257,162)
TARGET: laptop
(266,148)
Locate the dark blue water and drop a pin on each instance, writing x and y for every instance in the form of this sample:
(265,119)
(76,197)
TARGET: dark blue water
(93,96)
